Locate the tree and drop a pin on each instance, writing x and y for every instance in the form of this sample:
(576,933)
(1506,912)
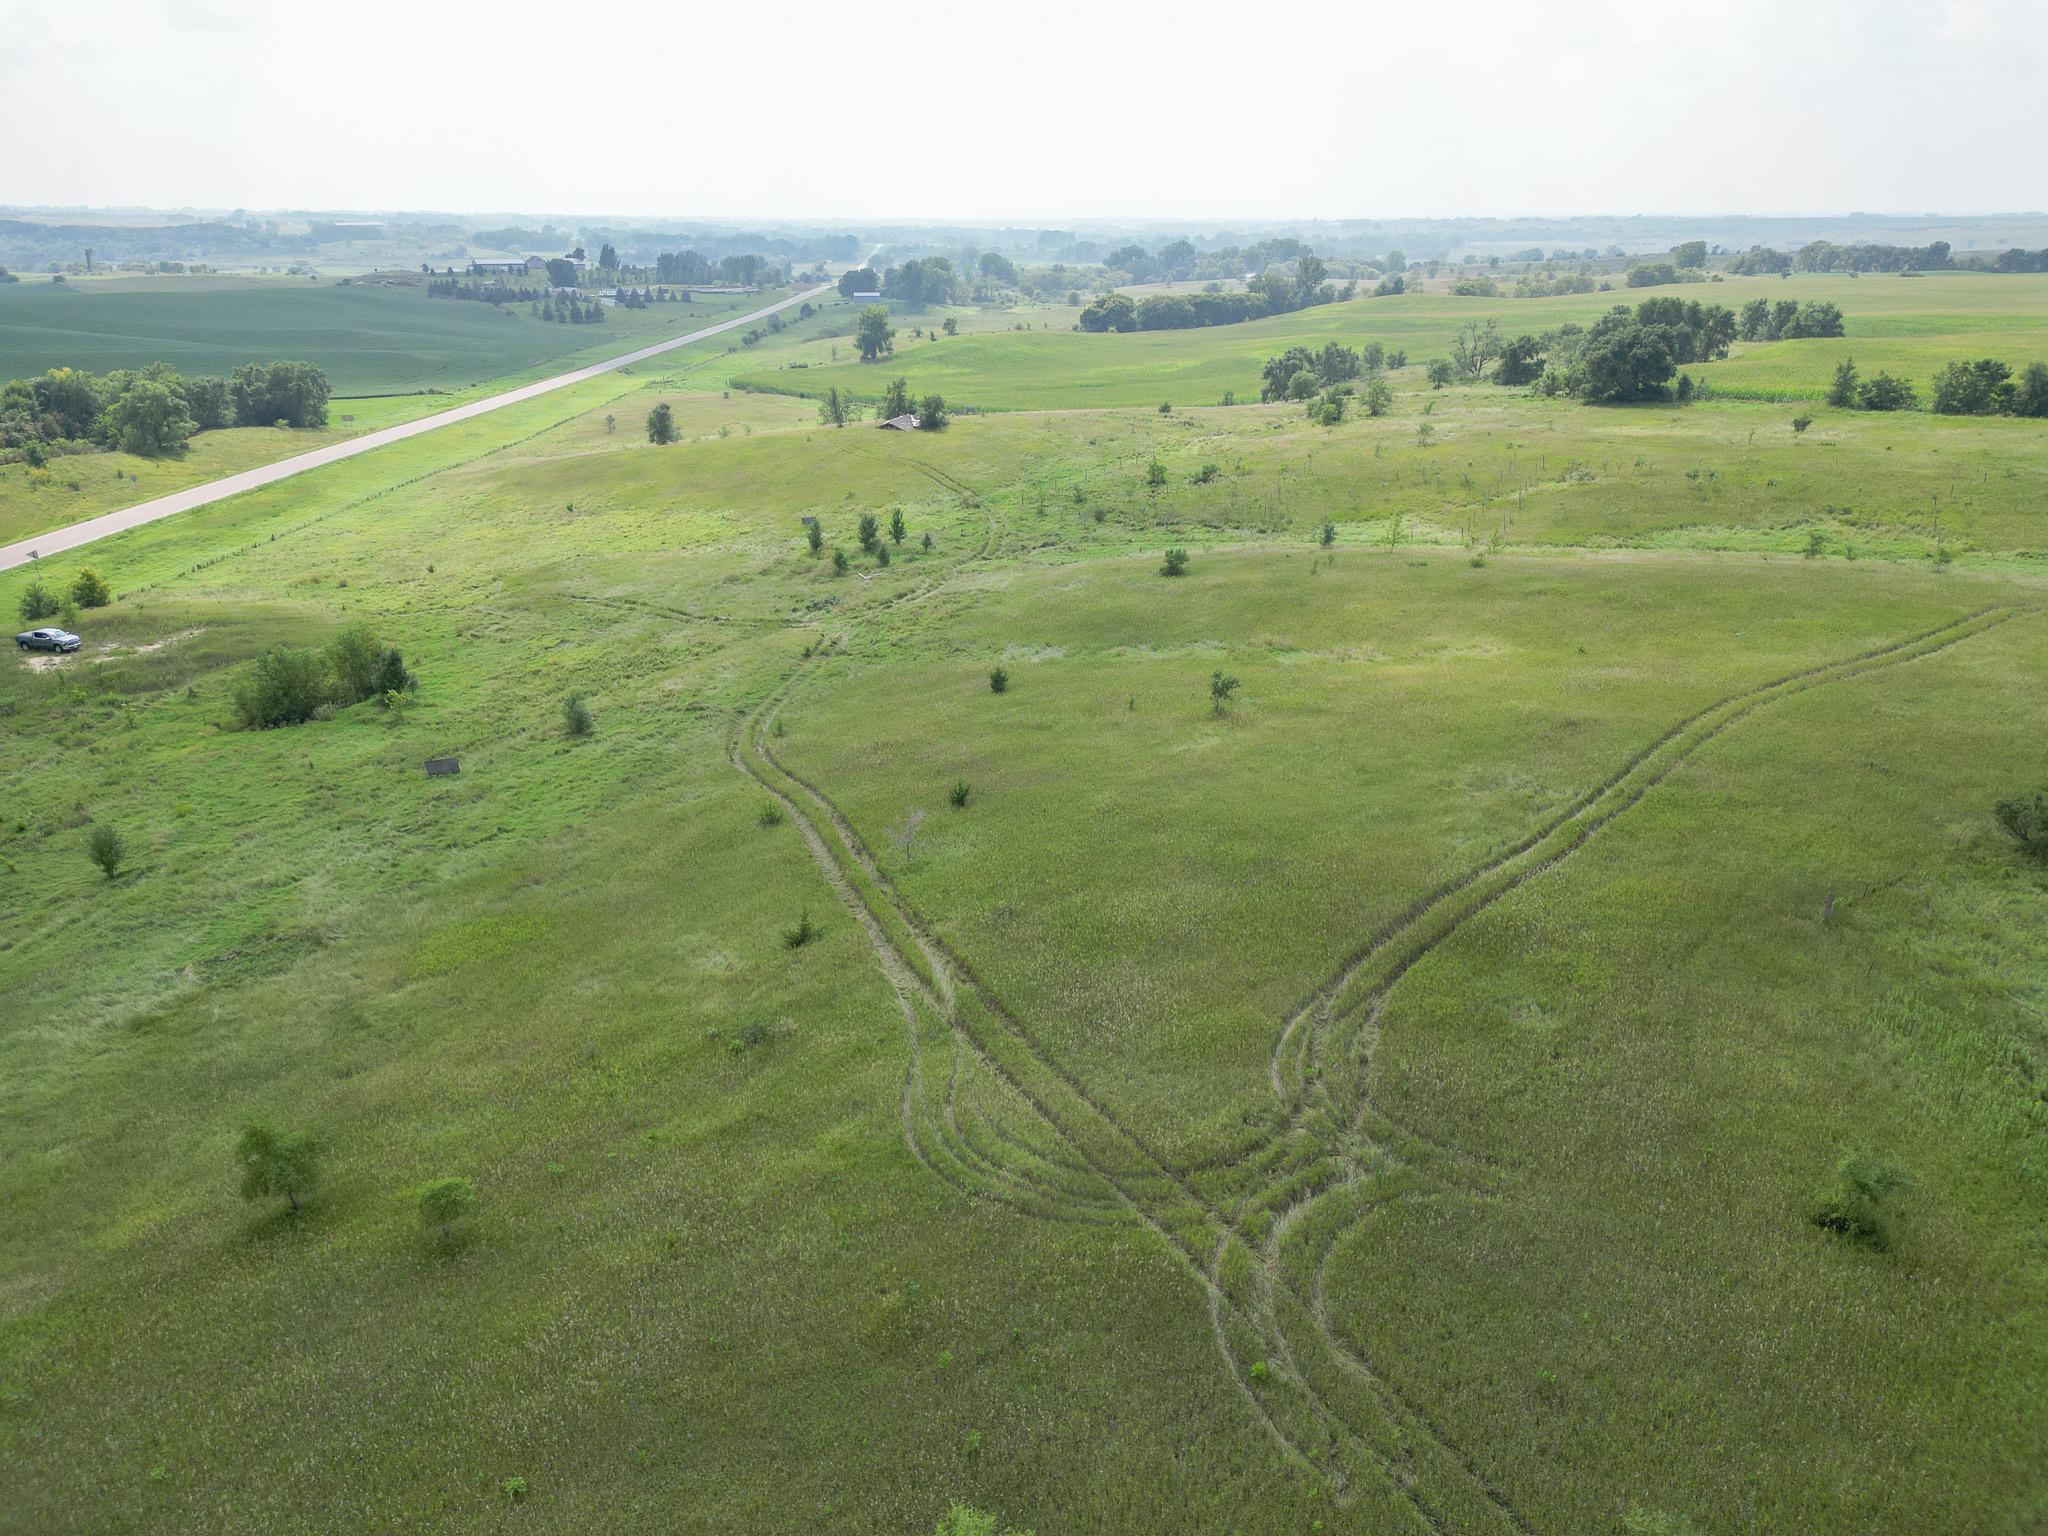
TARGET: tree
(1175,563)
(1855,1203)
(274,1164)
(1885,393)
(1329,533)
(1221,686)
(832,409)
(88,590)
(1626,361)
(1981,388)
(2025,820)
(839,562)
(896,399)
(999,679)
(814,536)
(1521,362)
(562,272)
(951,327)
(998,268)
(2031,398)
(905,834)
(607,258)
(1379,396)
(356,662)
(1690,256)
(1440,372)
(1842,392)
(148,419)
(859,280)
(38,602)
(870,531)
(661,425)
(1111,312)
(931,413)
(103,845)
(876,336)
(896,527)
(283,687)
(443,1202)
(208,402)
(1474,348)
(293,393)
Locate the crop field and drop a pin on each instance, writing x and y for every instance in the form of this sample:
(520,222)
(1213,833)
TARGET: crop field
(404,320)
(1910,326)
(1344,1039)
(370,339)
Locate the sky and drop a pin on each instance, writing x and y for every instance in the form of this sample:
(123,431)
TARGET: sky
(1037,113)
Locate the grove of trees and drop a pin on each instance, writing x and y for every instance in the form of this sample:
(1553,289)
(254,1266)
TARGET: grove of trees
(151,411)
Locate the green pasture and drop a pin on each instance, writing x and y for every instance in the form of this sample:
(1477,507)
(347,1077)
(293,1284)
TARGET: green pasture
(1910,326)
(1647,754)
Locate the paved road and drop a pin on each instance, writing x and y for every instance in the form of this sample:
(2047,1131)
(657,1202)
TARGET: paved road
(233,485)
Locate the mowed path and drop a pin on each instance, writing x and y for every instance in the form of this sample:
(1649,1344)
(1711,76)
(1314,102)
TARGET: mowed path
(108,523)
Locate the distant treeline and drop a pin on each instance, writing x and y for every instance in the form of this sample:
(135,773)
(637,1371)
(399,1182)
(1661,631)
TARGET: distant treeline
(1825,256)
(745,269)
(1273,293)
(151,411)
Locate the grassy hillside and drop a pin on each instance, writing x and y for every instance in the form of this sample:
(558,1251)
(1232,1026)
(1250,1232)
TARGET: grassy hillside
(1390,1102)
(1910,326)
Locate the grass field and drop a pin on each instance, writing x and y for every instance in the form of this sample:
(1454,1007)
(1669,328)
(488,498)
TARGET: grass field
(1910,326)
(1390,1102)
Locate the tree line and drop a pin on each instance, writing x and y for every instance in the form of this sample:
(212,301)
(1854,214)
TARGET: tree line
(1273,293)
(151,411)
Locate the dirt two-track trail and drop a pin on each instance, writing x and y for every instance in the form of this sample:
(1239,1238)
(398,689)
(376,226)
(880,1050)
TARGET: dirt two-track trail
(988,1109)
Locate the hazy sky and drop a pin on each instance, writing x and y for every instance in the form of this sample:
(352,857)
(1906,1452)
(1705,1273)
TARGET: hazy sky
(1037,112)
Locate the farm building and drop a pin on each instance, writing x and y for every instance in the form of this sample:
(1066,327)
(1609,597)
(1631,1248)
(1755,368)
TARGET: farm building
(870,297)
(900,424)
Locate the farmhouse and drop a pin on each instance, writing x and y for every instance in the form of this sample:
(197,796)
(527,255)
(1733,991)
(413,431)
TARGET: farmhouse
(900,424)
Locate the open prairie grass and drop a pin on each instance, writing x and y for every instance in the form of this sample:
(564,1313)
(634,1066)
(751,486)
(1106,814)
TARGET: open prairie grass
(1641,862)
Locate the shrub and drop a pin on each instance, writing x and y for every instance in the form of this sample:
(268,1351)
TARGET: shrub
(355,661)
(38,602)
(931,413)
(1175,564)
(958,793)
(284,687)
(1205,474)
(896,525)
(881,554)
(814,536)
(576,717)
(1801,422)
(1854,1202)
(771,815)
(661,425)
(1166,407)
(999,679)
(273,1164)
(805,932)
(104,847)
(513,1488)
(1329,535)
(88,591)
(870,531)
(1155,474)
(839,562)
(2025,819)
(443,1202)
(1221,686)
(393,680)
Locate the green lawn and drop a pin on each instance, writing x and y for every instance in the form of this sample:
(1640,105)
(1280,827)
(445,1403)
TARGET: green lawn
(1643,862)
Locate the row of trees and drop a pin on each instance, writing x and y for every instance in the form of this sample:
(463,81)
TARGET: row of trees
(1785,320)
(745,271)
(1274,293)
(152,411)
